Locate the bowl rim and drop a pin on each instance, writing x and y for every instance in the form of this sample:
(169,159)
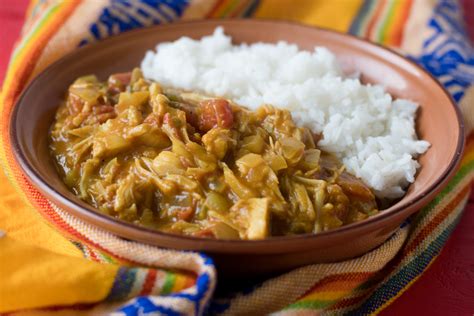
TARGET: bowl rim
(92,216)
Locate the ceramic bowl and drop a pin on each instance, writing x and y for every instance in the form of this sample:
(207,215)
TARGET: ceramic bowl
(438,122)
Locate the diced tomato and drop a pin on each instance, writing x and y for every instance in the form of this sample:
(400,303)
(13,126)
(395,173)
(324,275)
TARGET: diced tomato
(215,113)
(118,82)
(104,112)
(186,213)
(103,109)
(207,232)
(101,118)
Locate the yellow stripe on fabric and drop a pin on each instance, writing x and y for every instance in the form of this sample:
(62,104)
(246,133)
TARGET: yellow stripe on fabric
(324,296)
(468,155)
(33,277)
(29,38)
(229,8)
(387,23)
(467,158)
(336,15)
(379,19)
(32,14)
(31,6)
(181,282)
(395,33)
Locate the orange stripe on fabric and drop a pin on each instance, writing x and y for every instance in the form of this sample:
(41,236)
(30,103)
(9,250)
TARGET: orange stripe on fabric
(378,11)
(342,277)
(340,285)
(30,16)
(395,34)
(30,7)
(216,8)
(469,144)
(361,294)
(468,151)
(190,280)
(149,282)
(467,158)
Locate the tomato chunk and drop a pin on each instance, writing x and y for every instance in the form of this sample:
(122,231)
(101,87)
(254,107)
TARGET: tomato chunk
(118,82)
(214,113)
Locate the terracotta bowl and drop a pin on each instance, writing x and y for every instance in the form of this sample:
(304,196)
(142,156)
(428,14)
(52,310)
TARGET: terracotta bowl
(438,121)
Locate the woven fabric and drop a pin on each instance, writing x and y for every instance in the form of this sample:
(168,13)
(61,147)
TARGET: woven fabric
(126,277)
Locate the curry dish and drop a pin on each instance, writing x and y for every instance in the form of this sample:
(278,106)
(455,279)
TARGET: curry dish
(189,164)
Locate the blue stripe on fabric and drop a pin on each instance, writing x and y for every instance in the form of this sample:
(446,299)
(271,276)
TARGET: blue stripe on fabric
(124,2)
(206,259)
(448,19)
(355,27)
(144,306)
(251,9)
(453,57)
(202,285)
(123,283)
(124,15)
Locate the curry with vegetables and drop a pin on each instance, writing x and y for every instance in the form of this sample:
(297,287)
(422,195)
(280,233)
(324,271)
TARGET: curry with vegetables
(190,164)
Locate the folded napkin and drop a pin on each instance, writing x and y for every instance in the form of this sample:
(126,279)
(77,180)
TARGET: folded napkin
(52,262)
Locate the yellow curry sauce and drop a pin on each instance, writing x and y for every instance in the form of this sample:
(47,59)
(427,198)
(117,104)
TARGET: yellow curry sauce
(190,164)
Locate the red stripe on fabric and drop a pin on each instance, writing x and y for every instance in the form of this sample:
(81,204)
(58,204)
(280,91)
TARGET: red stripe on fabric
(370,26)
(215,8)
(399,30)
(149,282)
(93,255)
(469,143)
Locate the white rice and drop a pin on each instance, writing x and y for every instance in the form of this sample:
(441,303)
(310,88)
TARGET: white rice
(373,134)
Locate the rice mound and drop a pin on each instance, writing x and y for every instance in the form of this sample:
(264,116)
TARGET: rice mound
(373,134)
